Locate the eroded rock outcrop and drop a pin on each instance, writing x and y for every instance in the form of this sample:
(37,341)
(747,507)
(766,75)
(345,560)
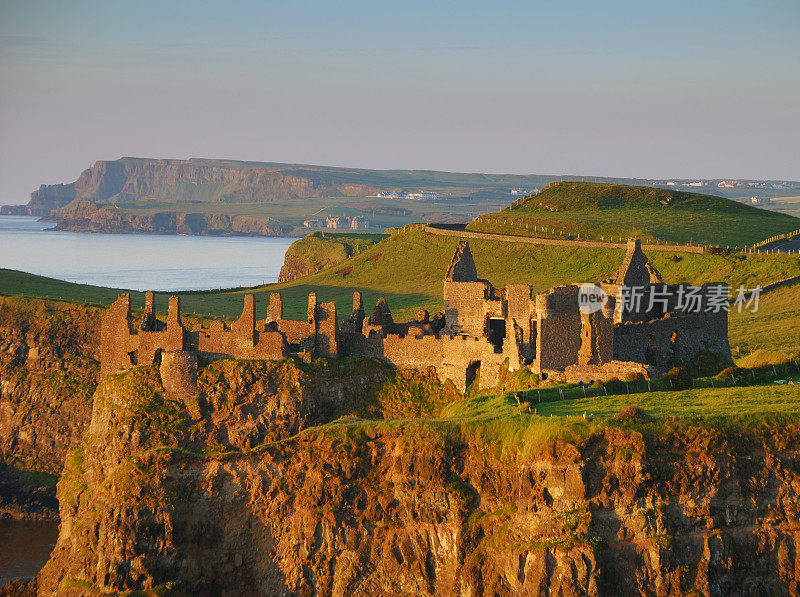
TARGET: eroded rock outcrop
(237,503)
(48,373)
(90,217)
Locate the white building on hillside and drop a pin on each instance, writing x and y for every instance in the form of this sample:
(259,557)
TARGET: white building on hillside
(422,196)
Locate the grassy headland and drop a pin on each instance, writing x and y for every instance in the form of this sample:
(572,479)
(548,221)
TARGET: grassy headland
(319,250)
(620,211)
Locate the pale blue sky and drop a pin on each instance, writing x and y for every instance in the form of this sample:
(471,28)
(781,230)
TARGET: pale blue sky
(614,88)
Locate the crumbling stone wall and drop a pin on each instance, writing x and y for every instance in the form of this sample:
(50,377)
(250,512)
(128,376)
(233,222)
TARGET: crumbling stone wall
(467,305)
(449,356)
(676,337)
(558,338)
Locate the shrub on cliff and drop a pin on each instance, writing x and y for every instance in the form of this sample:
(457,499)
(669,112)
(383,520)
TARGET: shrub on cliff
(678,378)
(632,413)
(633,377)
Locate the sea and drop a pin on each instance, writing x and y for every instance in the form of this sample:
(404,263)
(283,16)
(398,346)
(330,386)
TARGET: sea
(25,546)
(160,262)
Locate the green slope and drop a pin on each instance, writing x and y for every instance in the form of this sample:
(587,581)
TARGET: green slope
(319,250)
(592,211)
(775,326)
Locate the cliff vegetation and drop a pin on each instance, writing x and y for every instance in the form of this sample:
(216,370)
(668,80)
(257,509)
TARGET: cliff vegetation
(48,374)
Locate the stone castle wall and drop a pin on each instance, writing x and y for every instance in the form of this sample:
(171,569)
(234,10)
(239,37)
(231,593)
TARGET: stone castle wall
(123,346)
(558,340)
(662,341)
(449,356)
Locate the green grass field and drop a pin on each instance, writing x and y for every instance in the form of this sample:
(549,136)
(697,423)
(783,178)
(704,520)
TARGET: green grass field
(774,398)
(774,327)
(500,425)
(621,211)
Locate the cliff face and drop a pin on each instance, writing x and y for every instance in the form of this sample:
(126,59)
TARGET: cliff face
(210,502)
(202,180)
(89,217)
(48,373)
(179,181)
(44,201)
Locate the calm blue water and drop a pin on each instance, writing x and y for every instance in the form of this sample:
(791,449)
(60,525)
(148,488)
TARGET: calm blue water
(139,261)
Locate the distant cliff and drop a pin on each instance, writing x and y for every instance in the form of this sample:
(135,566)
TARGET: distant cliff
(84,216)
(96,201)
(180,181)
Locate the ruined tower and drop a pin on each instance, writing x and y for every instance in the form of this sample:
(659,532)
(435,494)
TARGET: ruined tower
(636,270)
(462,266)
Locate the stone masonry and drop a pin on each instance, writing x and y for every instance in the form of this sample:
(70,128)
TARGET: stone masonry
(481,333)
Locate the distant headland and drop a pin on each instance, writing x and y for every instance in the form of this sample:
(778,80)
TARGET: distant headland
(227,197)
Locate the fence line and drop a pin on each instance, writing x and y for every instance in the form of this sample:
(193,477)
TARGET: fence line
(536,240)
(777,237)
(602,244)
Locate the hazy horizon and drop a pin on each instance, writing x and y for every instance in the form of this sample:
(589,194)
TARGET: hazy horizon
(618,89)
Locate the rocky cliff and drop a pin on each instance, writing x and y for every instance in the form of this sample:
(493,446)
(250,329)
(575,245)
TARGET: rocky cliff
(319,250)
(221,495)
(48,373)
(195,180)
(90,217)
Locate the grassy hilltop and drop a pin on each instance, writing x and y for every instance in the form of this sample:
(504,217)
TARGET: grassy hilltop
(611,210)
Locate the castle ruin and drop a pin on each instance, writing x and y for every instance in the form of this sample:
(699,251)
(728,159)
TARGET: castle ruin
(482,332)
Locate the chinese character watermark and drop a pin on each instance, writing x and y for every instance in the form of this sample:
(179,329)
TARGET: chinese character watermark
(687,299)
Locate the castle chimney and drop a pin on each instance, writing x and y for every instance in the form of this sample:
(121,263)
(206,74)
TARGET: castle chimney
(245,325)
(358,304)
(312,307)
(275,308)
(174,312)
(149,317)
